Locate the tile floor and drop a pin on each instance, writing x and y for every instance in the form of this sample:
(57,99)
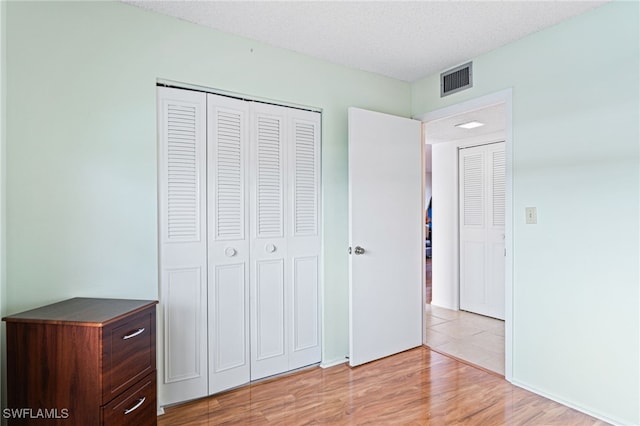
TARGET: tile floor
(473,338)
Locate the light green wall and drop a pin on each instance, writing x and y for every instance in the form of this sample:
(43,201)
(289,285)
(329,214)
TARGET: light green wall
(576,139)
(81,144)
(81,171)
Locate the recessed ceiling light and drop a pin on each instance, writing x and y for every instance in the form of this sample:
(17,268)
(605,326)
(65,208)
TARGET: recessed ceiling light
(470,125)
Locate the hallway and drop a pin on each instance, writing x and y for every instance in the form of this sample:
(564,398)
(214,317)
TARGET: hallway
(469,337)
(466,336)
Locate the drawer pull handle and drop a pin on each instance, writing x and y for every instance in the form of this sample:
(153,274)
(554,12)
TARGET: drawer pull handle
(134,334)
(135,407)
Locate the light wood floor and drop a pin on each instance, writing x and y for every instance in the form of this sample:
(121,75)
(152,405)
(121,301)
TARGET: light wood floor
(418,387)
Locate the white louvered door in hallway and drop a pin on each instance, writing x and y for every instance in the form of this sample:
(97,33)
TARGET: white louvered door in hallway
(482,233)
(242,303)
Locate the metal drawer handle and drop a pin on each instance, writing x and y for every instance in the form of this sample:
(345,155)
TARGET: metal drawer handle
(134,334)
(135,407)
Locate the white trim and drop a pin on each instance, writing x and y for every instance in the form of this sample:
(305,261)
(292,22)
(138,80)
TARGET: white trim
(503,96)
(3,192)
(333,363)
(423,173)
(569,404)
(180,85)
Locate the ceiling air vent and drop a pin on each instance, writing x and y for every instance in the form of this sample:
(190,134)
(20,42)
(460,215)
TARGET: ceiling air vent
(456,79)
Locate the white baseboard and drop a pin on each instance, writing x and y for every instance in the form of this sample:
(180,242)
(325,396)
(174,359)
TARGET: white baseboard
(599,416)
(333,363)
(444,306)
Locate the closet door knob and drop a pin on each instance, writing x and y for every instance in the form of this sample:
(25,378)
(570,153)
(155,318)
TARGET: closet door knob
(230,252)
(270,248)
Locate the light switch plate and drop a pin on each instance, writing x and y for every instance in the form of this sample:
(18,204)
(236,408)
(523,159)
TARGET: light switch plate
(531,215)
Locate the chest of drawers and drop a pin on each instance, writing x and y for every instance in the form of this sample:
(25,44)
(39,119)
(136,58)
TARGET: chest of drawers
(82,361)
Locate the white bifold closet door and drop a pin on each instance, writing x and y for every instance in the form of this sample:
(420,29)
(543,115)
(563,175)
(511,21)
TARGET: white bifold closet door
(182,197)
(285,183)
(240,295)
(229,247)
(482,234)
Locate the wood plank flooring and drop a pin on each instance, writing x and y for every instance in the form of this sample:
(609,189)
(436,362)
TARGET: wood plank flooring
(418,387)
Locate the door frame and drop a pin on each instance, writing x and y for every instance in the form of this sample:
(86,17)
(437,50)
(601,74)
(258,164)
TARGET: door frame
(503,96)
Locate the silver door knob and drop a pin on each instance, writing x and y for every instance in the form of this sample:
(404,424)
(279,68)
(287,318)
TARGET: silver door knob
(358,250)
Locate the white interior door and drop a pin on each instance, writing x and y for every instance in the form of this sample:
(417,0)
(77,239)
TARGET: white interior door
(482,233)
(385,233)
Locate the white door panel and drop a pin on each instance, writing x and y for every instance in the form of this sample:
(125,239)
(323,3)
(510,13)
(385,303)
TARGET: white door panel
(305,313)
(268,333)
(228,250)
(183,313)
(303,242)
(386,219)
(268,243)
(183,244)
(228,327)
(482,215)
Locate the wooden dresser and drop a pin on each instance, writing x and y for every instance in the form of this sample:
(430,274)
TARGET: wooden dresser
(83,362)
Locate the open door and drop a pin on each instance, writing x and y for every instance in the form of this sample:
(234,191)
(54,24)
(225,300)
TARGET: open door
(385,235)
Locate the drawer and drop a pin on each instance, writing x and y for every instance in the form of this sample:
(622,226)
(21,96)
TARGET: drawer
(128,352)
(135,407)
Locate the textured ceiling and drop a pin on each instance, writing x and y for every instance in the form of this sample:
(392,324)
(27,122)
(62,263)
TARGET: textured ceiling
(405,40)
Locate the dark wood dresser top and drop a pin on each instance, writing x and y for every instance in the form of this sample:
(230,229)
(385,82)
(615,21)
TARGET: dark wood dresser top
(88,312)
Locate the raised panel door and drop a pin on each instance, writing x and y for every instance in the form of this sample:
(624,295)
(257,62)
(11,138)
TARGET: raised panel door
(229,249)
(183,244)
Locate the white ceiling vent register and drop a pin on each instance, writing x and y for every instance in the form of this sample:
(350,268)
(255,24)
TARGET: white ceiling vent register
(456,79)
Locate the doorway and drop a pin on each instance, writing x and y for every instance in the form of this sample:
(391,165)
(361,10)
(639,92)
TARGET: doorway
(444,136)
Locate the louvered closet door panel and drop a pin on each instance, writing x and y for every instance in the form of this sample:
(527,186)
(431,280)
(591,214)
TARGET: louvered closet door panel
(303,232)
(482,203)
(269,298)
(472,228)
(183,245)
(496,185)
(473,188)
(269,173)
(228,222)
